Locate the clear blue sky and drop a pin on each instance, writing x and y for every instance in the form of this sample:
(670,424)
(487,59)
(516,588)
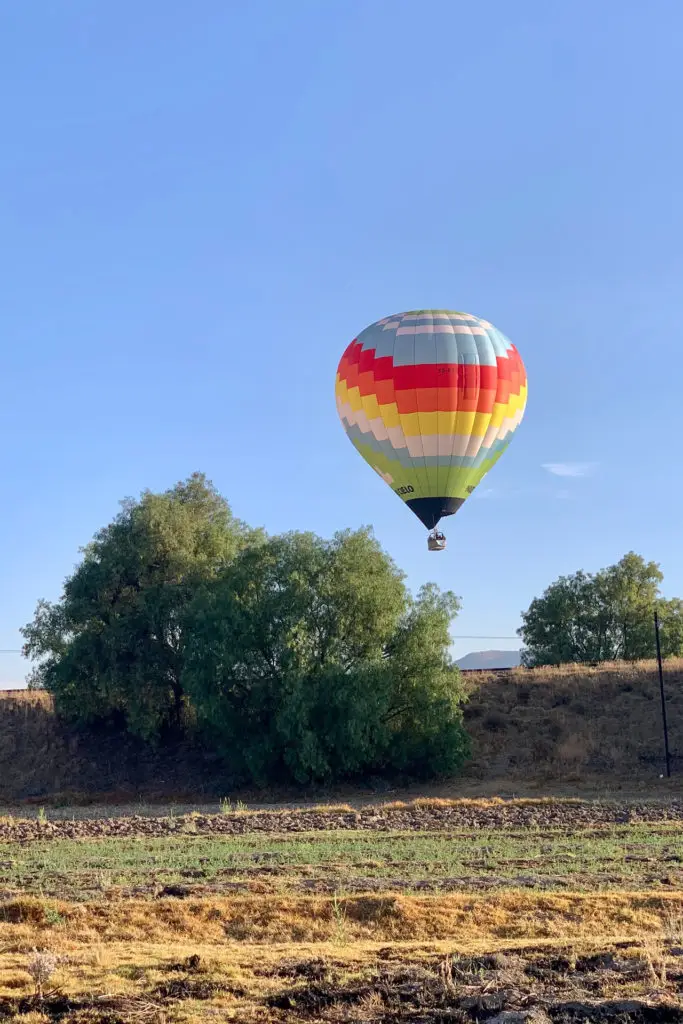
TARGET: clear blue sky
(202,204)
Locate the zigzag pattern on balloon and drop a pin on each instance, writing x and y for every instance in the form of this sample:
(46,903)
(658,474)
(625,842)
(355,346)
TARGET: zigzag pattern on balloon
(431,399)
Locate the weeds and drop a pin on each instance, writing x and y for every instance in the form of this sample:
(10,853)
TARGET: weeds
(655,961)
(446,975)
(381,911)
(673,929)
(227,806)
(578,723)
(41,967)
(105,880)
(340,932)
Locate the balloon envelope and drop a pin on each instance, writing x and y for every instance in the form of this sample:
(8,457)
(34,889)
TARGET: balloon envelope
(431,399)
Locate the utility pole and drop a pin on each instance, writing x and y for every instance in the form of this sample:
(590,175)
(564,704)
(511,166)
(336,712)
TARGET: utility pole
(661,691)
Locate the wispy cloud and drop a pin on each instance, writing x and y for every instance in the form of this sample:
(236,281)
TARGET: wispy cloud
(486,492)
(570,468)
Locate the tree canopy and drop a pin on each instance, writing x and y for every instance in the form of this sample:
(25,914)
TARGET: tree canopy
(603,616)
(113,644)
(291,656)
(310,659)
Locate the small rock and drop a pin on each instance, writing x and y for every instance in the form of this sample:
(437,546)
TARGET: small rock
(486,1001)
(180,892)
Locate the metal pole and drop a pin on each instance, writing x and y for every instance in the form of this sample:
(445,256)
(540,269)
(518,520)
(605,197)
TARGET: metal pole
(661,691)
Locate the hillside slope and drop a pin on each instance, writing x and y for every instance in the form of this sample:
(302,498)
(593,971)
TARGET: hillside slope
(574,722)
(547,729)
(490,659)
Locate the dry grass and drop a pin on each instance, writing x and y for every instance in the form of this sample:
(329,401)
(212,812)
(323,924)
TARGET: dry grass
(571,723)
(236,959)
(466,919)
(440,802)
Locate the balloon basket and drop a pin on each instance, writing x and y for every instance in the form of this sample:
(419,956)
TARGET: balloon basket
(436,541)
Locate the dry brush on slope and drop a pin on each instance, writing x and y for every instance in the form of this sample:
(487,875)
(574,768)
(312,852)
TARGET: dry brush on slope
(551,728)
(575,722)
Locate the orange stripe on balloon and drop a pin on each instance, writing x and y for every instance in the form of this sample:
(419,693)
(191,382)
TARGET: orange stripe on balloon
(445,400)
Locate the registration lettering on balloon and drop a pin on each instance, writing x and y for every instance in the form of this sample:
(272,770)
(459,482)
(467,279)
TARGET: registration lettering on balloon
(430,399)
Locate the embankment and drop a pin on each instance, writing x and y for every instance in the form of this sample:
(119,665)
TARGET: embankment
(567,727)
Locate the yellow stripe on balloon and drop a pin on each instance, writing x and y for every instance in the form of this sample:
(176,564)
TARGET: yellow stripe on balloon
(389,414)
(354,399)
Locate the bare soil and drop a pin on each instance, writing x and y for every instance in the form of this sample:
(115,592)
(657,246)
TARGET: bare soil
(618,985)
(507,987)
(462,815)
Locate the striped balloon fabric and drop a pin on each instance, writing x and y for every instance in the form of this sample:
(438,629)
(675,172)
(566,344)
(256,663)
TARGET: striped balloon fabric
(431,399)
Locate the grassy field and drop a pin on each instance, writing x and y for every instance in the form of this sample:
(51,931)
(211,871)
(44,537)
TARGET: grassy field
(131,893)
(605,859)
(434,911)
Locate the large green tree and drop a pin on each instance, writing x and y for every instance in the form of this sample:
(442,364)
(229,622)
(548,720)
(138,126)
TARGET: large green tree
(293,657)
(113,643)
(604,616)
(309,660)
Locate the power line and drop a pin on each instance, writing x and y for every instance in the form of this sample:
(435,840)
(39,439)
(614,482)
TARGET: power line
(457,636)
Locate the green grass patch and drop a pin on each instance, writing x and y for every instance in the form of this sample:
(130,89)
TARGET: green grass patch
(618,857)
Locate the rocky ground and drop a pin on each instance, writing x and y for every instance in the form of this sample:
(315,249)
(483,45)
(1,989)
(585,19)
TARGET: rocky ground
(456,815)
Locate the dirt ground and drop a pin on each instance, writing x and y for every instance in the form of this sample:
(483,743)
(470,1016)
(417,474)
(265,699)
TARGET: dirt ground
(421,815)
(619,984)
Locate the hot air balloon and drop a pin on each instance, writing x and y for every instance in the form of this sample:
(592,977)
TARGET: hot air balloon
(431,399)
